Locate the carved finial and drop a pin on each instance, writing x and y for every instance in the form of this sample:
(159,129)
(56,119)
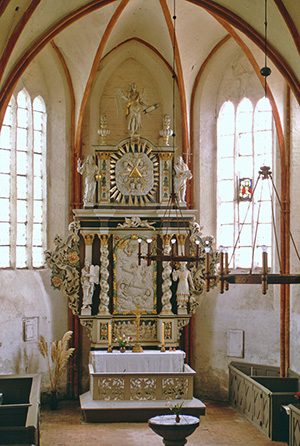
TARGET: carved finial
(166,132)
(103,130)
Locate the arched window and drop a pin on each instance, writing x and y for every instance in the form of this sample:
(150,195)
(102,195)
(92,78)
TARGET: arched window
(245,143)
(23,183)
(39,182)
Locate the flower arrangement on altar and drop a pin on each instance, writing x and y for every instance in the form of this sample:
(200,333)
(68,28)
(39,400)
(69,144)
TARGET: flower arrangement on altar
(124,341)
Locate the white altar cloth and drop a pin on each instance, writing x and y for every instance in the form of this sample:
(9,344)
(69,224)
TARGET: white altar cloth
(147,361)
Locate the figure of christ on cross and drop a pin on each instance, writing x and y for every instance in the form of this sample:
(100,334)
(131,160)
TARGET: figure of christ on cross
(137,347)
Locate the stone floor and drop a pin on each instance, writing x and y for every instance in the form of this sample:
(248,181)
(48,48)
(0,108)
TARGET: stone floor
(221,426)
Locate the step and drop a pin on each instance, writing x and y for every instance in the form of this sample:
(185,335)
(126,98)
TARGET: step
(99,411)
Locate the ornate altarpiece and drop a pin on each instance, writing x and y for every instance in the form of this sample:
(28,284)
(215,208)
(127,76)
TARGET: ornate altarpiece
(133,186)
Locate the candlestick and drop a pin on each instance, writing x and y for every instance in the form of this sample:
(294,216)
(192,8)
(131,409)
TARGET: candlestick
(137,348)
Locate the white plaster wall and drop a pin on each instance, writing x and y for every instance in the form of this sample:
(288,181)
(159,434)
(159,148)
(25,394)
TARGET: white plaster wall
(28,293)
(242,307)
(132,63)
(295,229)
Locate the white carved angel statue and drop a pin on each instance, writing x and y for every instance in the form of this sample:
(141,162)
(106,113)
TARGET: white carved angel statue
(134,103)
(89,277)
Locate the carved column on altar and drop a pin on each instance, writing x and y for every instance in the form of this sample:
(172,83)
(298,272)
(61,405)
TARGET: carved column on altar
(89,276)
(104,274)
(182,275)
(166,278)
(88,243)
(165,159)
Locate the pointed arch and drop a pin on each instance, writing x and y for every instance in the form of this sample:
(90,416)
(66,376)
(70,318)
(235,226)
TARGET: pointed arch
(23,183)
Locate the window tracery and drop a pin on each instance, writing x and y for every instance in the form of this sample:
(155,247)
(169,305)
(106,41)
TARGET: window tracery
(244,144)
(23,183)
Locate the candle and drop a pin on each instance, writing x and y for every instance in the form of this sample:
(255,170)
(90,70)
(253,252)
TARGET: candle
(221,283)
(197,241)
(109,334)
(226,268)
(207,268)
(149,241)
(163,334)
(264,280)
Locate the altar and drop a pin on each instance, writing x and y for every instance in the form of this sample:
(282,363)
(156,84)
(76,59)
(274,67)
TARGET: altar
(135,386)
(132,269)
(150,361)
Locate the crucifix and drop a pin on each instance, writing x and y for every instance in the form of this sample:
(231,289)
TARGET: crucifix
(137,348)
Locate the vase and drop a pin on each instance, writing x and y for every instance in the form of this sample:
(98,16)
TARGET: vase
(177,418)
(122,349)
(53,400)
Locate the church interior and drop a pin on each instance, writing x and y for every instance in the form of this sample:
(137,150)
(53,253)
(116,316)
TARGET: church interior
(148,199)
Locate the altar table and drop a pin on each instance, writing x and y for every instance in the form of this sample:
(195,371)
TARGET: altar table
(146,362)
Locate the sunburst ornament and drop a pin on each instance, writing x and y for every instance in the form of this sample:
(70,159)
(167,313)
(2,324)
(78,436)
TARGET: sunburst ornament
(134,175)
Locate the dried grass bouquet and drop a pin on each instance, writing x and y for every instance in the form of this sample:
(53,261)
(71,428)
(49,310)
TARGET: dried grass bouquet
(57,359)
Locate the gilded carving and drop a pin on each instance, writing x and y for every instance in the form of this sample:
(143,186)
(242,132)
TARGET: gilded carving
(88,324)
(103,155)
(166,277)
(103,331)
(165,156)
(104,275)
(134,175)
(88,238)
(182,323)
(148,330)
(64,264)
(125,328)
(166,239)
(181,239)
(103,239)
(136,222)
(168,330)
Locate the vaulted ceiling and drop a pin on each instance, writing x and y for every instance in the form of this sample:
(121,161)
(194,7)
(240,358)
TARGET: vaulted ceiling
(83,32)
